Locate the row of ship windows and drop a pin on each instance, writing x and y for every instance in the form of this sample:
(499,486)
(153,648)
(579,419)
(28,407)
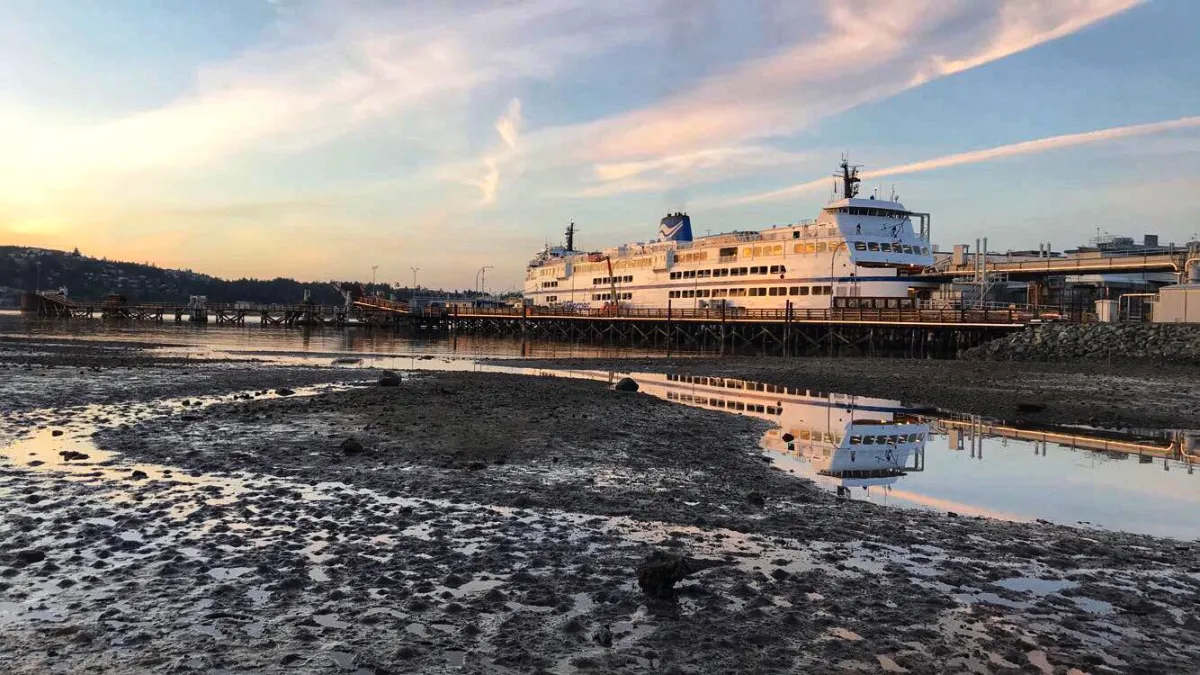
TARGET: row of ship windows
(608,296)
(729,272)
(738,384)
(549,284)
(610,280)
(888,247)
(728,405)
(885,440)
(551,298)
(772,291)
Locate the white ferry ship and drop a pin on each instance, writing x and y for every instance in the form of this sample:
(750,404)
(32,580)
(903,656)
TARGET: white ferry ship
(856,248)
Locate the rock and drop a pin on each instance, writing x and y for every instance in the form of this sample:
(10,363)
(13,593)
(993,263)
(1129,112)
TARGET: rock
(389,379)
(756,499)
(138,474)
(603,637)
(69,455)
(56,432)
(284,391)
(346,360)
(351,446)
(660,572)
(28,557)
(626,384)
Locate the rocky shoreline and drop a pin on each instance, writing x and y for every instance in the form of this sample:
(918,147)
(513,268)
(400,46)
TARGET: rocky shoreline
(496,523)
(1159,343)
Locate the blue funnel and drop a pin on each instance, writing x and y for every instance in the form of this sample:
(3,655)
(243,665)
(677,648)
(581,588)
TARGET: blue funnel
(675,227)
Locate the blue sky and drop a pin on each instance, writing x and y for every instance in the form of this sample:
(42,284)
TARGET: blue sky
(314,138)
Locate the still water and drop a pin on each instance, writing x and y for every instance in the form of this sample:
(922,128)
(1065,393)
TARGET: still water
(860,448)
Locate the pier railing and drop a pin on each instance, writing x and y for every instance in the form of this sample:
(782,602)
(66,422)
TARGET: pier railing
(988,316)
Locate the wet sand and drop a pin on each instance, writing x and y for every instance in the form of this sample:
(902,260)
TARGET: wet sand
(1111,395)
(494,523)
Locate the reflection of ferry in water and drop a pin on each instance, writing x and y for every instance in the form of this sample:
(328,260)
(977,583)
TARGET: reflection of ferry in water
(858,441)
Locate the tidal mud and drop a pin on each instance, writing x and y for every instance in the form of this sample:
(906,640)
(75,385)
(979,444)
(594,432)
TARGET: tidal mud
(497,523)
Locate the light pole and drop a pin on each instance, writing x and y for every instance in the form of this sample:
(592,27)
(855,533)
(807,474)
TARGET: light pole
(38,284)
(414,271)
(481,277)
(373,268)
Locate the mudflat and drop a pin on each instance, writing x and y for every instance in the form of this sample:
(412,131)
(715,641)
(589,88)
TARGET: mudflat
(245,517)
(1115,394)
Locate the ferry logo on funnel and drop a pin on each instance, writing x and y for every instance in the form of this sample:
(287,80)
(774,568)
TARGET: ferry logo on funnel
(675,227)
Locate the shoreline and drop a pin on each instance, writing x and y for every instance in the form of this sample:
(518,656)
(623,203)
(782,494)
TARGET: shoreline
(488,522)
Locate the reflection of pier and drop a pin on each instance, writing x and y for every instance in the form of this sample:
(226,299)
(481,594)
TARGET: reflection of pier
(1181,448)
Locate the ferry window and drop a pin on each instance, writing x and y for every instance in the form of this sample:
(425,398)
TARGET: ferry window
(730,252)
(705,293)
(804,435)
(885,247)
(782,269)
(795,234)
(742,271)
(810,247)
(860,246)
(703,274)
(924,250)
(872,246)
(821,246)
(794,290)
(723,272)
(798,248)
(856,440)
(673,294)
(774,290)
(737,292)
(774,269)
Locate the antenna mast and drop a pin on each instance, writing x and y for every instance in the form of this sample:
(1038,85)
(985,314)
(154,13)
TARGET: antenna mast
(571,236)
(849,177)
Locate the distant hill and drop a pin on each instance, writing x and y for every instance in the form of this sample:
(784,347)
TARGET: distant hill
(25,269)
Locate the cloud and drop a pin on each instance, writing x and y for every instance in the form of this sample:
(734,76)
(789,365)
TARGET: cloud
(508,125)
(327,70)
(866,50)
(988,155)
(489,182)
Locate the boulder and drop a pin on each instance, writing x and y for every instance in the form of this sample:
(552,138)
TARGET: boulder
(69,455)
(660,572)
(626,384)
(284,391)
(389,379)
(138,474)
(351,446)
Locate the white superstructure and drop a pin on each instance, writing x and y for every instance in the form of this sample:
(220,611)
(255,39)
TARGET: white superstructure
(862,248)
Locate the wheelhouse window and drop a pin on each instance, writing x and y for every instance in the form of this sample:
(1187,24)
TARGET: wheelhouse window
(873,246)
(860,246)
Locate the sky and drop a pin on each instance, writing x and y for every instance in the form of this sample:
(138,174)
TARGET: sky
(318,138)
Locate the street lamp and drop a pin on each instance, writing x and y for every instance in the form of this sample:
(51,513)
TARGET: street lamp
(414,271)
(481,277)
